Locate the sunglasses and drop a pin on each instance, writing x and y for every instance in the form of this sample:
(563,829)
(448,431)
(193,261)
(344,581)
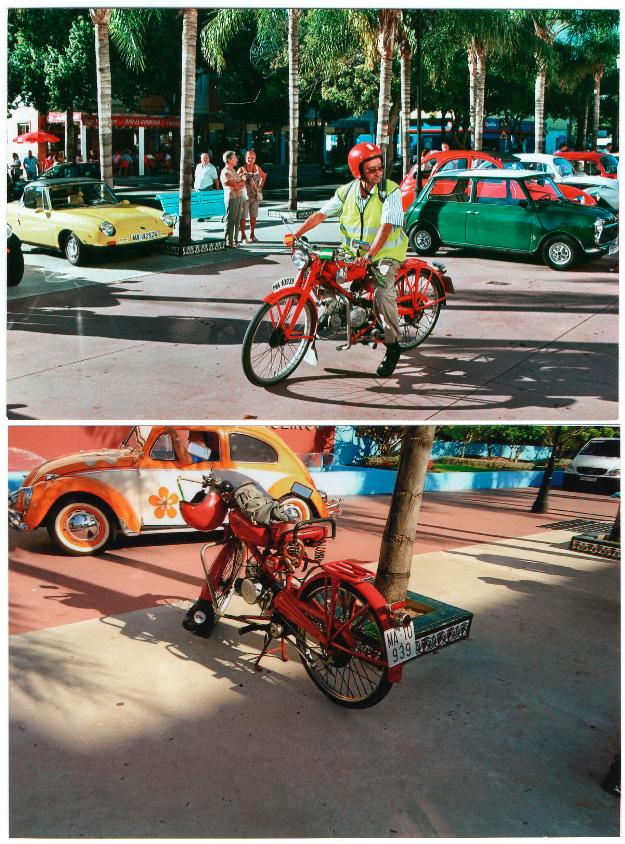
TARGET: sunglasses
(379,169)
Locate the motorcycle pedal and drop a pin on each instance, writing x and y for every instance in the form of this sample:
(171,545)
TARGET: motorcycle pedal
(343,347)
(249,628)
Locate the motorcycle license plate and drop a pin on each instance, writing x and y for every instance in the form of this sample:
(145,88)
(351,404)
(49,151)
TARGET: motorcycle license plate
(284,282)
(402,644)
(145,236)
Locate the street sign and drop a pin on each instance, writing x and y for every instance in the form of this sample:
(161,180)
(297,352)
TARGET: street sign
(302,214)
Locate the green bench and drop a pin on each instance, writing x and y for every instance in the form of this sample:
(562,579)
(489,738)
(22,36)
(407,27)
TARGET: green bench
(205,204)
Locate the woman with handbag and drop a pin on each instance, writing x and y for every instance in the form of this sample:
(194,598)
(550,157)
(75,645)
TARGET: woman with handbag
(255,178)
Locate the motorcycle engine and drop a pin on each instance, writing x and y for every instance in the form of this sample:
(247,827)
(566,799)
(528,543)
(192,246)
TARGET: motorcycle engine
(331,317)
(358,316)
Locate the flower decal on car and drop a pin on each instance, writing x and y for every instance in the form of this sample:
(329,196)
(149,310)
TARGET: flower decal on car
(163,503)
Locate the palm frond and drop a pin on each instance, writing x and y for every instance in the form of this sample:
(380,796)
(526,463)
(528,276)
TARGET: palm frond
(219,32)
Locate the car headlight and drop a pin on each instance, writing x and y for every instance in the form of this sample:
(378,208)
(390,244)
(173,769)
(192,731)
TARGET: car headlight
(167,219)
(598,229)
(9,231)
(300,259)
(107,228)
(25,496)
(614,473)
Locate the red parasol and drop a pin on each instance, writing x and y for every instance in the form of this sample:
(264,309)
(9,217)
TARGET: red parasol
(36,138)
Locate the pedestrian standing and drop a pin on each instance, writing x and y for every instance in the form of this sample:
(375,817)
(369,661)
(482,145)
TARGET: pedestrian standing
(235,195)
(31,166)
(255,177)
(205,174)
(16,167)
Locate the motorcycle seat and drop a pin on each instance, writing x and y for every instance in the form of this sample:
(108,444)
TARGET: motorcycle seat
(281,533)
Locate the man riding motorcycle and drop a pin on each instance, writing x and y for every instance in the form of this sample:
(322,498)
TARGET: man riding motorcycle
(370,210)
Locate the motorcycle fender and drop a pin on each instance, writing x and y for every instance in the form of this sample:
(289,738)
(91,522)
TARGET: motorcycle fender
(284,287)
(417,265)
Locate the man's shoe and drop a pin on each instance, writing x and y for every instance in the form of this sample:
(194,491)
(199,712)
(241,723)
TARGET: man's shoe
(387,367)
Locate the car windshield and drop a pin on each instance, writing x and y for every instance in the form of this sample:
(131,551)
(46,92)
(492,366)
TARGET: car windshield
(563,167)
(602,448)
(81,194)
(542,189)
(609,164)
(513,164)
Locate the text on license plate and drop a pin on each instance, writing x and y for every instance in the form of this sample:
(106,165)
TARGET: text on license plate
(144,236)
(401,643)
(284,282)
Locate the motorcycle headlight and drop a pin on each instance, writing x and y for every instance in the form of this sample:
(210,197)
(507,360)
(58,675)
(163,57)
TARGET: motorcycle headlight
(107,228)
(598,229)
(167,219)
(300,259)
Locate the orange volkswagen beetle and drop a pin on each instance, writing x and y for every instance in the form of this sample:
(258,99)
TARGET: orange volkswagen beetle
(84,499)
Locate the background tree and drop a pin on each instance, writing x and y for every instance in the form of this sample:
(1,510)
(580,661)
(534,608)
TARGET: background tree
(401,525)
(187,108)
(101,19)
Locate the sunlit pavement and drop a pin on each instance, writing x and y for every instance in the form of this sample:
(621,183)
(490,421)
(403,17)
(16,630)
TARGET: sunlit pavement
(124,725)
(160,337)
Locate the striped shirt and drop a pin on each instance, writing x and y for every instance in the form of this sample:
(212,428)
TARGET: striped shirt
(392,210)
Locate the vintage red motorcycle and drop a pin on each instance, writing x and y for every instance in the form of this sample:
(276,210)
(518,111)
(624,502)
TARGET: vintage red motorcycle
(351,641)
(331,297)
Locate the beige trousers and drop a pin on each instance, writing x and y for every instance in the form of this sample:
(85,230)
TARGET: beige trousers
(384,273)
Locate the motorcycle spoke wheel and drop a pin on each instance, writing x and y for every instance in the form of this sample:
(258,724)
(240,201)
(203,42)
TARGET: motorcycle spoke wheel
(414,329)
(223,579)
(269,356)
(349,669)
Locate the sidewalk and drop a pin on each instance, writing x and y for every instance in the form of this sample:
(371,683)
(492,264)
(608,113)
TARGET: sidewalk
(126,726)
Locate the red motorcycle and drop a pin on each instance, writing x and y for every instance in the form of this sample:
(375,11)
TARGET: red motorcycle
(351,641)
(331,297)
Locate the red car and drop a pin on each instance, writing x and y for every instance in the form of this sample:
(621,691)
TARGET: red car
(470,159)
(593,163)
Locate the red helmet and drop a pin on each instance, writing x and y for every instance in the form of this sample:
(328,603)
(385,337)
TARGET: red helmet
(359,154)
(208,514)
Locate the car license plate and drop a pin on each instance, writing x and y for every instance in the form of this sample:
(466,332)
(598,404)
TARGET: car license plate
(588,478)
(145,236)
(402,645)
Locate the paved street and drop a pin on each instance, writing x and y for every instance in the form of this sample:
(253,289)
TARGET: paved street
(124,725)
(160,337)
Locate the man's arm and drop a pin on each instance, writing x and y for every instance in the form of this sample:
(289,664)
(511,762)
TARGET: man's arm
(314,220)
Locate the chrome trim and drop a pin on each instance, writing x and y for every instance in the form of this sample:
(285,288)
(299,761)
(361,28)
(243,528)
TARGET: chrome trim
(15,521)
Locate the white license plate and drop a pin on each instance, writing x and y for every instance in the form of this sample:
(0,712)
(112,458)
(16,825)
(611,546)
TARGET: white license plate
(284,282)
(145,236)
(588,478)
(401,643)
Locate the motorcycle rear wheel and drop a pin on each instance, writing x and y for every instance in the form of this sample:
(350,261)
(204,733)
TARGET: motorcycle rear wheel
(268,357)
(342,674)
(414,330)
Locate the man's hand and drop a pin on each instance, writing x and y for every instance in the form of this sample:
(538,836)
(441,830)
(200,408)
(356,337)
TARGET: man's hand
(363,260)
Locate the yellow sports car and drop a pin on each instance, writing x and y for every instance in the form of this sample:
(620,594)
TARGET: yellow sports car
(81,216)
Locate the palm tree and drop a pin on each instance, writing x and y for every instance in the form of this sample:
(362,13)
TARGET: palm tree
(401,525)
(387,29)
(293,47)
(101,19)
(187,108)
(406,39)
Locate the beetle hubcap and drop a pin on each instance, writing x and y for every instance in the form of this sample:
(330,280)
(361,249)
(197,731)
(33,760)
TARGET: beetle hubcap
(72,248)
(423,239)
(82,526)
(560,253)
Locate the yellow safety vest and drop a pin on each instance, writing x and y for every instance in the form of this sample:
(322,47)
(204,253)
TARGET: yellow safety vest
(365,225)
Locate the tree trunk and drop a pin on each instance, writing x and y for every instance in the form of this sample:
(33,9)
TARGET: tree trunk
(472,91)
(479,98)
(596,111)
(187,104)
(70,145)
(294,16)
(401,525)
(393,120)
(387,29)
(405,52)
(615,533)
(541,504)
(101,19)
(539,110)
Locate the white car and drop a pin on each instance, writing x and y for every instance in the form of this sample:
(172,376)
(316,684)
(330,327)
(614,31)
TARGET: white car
(597,467)
(605,191)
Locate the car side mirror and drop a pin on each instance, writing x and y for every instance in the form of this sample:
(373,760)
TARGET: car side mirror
(125,202)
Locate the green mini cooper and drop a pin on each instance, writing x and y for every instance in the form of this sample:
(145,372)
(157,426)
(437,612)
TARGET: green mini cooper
(511,211)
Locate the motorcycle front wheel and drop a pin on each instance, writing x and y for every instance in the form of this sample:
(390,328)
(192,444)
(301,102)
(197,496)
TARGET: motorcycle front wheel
(268,355)
(201,618)
(344,670)
(414,329)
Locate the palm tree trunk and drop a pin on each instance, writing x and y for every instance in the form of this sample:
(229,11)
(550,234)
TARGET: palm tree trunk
(187,103)
(539,110)
(387,30)
(70,145)
(479,97)
(393,120)
(596,111)
(401,525)
(472,57)
(101,19)
(293,46)
(405,53)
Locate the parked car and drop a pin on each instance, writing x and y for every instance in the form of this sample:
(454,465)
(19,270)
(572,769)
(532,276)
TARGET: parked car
(603,191)
(83,217)
(597,467)
(593,163)
(15,258)
(84,499)
(71,170)
(507,210)
(437,161)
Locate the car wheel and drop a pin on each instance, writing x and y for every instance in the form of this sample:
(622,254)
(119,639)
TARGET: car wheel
(561,253)
(424,240)
(302,506)
(15,268)
(74,250)
(81,526)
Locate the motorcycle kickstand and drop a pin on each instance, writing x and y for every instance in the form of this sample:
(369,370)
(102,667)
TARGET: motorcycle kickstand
(265,651)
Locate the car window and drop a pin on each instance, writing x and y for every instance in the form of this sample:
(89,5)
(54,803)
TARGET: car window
(455,164)
(482,164)
(450,190)
(498,192)
(197,446)
(32,197)
(563,167)
(609,164)
(542,188)
(75,195)
(163,448)
(247,449)
(607,448)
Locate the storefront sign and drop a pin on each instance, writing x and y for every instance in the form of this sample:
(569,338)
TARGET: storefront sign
(129,121)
